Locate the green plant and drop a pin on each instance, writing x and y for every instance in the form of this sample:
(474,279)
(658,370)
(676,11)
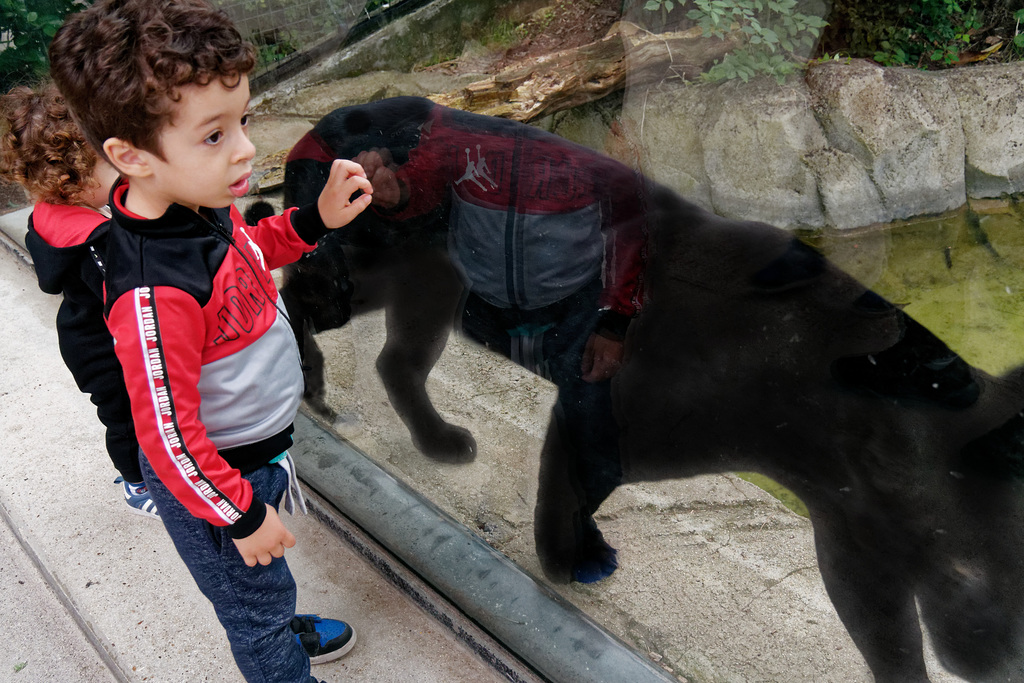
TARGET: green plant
(25,35)
(503,32)
(1018,37)
(662,6)
(918,33)
(773,35)
(825,58)
(272,46)
(932,30)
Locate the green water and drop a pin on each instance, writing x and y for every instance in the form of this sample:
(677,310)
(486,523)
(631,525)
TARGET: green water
(960,275)
(964,283)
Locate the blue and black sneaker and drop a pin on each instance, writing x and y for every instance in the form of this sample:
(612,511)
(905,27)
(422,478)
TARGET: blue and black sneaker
(138,499)
(324,640)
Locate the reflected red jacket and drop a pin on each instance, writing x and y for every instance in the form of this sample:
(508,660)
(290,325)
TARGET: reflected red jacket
(534,217)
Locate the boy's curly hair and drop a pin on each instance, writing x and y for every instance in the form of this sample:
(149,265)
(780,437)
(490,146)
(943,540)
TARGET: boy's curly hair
(41,148)
(121,64)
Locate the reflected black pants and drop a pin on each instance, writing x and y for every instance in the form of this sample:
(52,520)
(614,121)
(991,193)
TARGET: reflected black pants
(549,342)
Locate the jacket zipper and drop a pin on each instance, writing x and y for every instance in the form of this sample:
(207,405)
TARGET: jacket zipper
(512,240)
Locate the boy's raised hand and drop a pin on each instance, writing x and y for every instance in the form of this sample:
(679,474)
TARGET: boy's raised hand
(379,166)
(267,542)
(337,208)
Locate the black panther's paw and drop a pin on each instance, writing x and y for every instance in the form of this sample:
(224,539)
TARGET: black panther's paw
(595,559)
(600,563)
(447,443)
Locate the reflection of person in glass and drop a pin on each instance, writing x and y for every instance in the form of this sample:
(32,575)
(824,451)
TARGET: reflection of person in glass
(548,239)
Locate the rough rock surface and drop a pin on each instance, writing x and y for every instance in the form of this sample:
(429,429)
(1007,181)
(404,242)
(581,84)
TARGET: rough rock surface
(992,111)
(902,125)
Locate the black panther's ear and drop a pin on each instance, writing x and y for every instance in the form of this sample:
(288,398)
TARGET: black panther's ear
(257,211)
(799,264)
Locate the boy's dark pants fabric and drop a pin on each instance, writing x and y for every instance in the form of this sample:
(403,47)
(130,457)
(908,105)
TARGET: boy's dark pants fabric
(549,342)
(253,604)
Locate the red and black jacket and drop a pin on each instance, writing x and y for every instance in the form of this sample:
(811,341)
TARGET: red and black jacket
(66,243)
(209,358)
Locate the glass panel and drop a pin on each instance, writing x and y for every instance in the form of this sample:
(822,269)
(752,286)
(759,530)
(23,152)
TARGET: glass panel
(811,444)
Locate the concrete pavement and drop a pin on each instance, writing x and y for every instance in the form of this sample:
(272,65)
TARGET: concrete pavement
(89,592)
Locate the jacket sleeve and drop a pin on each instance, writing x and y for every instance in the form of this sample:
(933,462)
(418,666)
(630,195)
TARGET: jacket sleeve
(283,239)
(158,336)
(625,229)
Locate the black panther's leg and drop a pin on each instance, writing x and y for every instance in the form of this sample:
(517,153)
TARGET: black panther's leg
(550,342)
(557,521)
(875,604)
(423,295)
(315,392)
(317,294)
(972,611)
(972,592)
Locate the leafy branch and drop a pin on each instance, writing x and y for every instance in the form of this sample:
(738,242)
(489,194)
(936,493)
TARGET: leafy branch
(776,38)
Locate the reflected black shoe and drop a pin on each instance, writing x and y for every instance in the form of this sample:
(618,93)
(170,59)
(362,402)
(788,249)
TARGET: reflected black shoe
(324,640)
(601,566)
(595,559)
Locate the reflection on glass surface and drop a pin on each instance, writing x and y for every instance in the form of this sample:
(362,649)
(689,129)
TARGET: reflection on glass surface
(871,374)
(752,352)
(548,240)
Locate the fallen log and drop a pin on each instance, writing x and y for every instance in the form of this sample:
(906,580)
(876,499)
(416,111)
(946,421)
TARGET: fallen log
(569,78)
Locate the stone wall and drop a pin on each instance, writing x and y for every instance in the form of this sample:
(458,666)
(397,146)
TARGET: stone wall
(850,145)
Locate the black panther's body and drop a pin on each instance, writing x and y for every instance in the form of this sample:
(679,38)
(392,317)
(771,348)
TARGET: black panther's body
(753,353)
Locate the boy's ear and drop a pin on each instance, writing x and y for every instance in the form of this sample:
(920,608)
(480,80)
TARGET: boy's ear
(128,159)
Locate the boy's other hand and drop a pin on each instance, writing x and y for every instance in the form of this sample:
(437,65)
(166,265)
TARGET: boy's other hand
(336,205)
(602,358)
(380,168)
(267,542)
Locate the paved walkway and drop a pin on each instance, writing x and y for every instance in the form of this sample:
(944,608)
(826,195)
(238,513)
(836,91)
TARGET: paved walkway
(89,592)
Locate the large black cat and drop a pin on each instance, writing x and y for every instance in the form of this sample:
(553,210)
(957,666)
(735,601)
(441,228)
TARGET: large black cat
(752,352)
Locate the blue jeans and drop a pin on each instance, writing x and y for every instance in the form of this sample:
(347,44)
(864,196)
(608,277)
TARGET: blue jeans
(253,604)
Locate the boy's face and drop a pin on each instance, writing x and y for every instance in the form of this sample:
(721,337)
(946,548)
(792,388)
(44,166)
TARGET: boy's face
(206,149)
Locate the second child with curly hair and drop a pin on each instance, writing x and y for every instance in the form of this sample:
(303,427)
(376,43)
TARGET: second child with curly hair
(43,151)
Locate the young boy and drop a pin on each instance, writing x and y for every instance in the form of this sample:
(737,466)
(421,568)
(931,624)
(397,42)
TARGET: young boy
(210,362)
(45,153)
